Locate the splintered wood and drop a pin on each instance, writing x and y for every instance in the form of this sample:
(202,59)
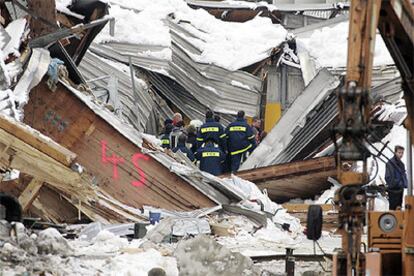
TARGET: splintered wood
(30,193)
(300,179)
(55,192)
(37,140)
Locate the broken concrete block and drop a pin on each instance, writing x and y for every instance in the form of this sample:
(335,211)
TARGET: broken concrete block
(12,253)
(204,256)
(50,241)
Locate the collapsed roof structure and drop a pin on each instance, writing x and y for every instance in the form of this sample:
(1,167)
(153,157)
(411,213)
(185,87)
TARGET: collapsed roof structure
(190,66)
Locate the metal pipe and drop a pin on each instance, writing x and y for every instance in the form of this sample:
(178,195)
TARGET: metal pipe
(289,262)
(409,164)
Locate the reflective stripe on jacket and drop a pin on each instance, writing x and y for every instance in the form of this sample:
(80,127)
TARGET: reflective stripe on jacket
(240,137)
(211,159)
(212,130)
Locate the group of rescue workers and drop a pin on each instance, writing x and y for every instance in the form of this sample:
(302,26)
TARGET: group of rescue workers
(216,148)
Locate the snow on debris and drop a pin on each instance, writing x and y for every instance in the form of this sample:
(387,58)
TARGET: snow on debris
(226,44)
(239,84)
(16,31)
(107,254)
(62,6)
(329,46)
(392,112)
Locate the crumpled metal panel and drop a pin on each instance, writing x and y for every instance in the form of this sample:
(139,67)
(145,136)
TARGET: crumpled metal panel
(287,7)
(136,108)
(211,84)
(285,140)
(182,99)
(308,136)
(122,51)
(213,87)
(390,91)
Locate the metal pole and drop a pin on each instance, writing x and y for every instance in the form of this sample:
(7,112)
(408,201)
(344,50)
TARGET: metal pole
(409,164)
(289,262)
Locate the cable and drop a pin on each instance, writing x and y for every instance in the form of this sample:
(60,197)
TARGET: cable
(388,159)
(376,171)
(324,255)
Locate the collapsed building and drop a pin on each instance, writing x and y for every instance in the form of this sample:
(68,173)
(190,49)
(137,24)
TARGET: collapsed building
(81,100)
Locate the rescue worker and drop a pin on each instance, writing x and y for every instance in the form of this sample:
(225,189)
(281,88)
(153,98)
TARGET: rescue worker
(165,137)
(182,139)
(166,122)
(177,118)
(257,129)
(212,130)
(211,157)
(192,138)
(396,178)
(240,141)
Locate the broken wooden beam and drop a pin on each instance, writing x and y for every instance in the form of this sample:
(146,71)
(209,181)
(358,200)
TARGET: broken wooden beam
(30,193)
(37,140)
(300,179)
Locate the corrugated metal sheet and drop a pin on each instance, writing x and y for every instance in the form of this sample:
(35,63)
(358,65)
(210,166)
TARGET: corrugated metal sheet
(278,7)
(137,106)
(294,21)
(123,51)
(281,144)
(380,74)
(390,91)
(308,135)
(210,84)
(181,98)
(204,85)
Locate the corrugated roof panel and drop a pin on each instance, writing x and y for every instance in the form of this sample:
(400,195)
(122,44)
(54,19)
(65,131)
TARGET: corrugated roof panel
(136,107)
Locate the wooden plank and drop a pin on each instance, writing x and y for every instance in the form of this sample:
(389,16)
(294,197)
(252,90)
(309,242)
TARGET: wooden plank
(281,171)
(31,161)
(46,9)
(304,186)
(37,140)
(299,208)
(300,179)
(30,193)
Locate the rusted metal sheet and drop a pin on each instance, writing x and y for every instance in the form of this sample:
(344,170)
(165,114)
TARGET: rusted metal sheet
(301,179)
(117,165)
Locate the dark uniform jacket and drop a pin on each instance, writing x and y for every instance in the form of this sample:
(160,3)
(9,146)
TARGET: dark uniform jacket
(214,131)
(192,141)
(211,159)
(165,141)
(185,150)
(240,137)
(395,174)
(175,133)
